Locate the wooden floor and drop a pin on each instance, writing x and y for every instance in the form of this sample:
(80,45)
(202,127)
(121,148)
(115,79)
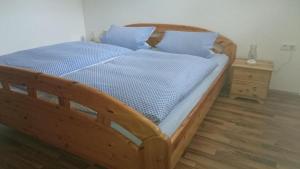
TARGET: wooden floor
(236,134)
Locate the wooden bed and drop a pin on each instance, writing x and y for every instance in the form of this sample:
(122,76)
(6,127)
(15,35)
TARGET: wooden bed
(92,137)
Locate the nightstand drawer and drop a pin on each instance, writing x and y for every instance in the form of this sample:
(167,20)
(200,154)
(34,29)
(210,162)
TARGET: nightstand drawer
(251,75)
(254,90)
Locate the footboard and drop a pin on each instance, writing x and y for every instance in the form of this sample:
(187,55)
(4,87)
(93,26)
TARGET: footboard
(90,136)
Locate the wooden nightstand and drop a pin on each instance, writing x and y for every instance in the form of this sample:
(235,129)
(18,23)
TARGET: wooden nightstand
(251,81)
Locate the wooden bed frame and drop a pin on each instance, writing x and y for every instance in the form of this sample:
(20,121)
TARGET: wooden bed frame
(92,137)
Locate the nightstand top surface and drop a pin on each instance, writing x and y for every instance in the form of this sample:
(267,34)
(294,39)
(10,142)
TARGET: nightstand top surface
(260,65)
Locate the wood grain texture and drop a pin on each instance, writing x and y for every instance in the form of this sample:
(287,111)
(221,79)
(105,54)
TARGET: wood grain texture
(260,64)
(236,134)
(92,137)
(251,81)
(222,45)
(184,134)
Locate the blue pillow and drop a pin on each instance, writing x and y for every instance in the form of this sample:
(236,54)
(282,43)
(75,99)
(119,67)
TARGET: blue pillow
(129,37)
(192,43)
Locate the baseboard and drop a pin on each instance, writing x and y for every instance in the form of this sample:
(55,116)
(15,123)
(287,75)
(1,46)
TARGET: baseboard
(283,91)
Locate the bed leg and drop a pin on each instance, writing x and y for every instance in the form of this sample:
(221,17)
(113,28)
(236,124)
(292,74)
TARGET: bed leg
(156,153)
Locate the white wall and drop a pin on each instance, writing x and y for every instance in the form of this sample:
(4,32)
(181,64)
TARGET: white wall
(30,23)
(268,23)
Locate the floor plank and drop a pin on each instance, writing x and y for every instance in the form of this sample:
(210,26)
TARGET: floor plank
(236,134)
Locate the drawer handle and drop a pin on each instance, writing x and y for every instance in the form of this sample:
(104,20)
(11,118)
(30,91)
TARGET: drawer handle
(240,91)
(250,76)
(254,88)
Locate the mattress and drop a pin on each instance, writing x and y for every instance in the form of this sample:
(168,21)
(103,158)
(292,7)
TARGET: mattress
(171,123)
(151,82)
(64,58)
(174,119)
(182,109)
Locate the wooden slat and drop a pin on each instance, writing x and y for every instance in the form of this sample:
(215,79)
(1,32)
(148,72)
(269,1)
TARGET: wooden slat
(31,92)
(64,102)
(104,120)
(5,85)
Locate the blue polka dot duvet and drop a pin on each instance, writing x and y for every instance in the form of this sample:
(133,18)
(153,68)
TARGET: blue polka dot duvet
(151,82)
(62,58)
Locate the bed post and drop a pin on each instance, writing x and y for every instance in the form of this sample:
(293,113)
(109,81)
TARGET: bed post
(156,153)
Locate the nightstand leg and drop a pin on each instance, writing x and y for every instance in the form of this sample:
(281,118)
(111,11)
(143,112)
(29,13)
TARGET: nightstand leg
(260,101)
(233,97)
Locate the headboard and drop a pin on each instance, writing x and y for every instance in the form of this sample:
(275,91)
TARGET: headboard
(222,45)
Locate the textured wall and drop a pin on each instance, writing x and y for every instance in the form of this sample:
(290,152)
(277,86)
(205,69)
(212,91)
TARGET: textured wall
(268,23)
(30,23)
